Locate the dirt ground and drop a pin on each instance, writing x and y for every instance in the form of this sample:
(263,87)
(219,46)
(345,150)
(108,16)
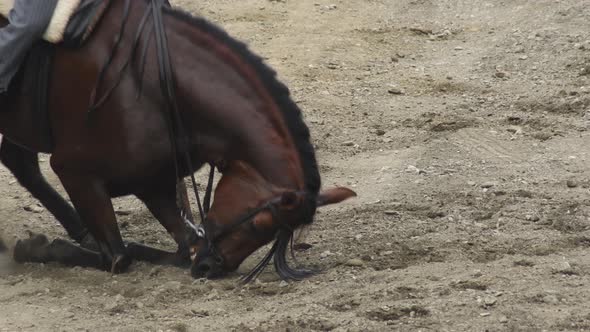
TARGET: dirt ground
(463,126)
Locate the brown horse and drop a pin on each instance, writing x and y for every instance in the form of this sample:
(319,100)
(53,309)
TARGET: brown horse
(235,112)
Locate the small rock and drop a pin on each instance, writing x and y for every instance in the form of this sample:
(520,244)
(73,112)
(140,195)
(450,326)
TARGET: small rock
(213,295)
(354,262)
(117,304)
(391,212)
(33,208)
(471,183)
(489,301)
(301,246)
(200,312)
(524,57)
(348,143)
(325,254)
(155,271)
(395,91)
(550,299)
(380,132)
(503,319)
(412,169)
(500,74)
(484,314)
(387,253)
(562,267)
(283,284)
(488,184)
(123,212)
(458,48)
(571,183)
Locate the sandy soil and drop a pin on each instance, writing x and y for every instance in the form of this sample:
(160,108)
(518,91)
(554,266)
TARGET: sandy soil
(463,126)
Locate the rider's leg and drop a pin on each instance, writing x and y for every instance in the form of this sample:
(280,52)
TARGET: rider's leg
(27,23)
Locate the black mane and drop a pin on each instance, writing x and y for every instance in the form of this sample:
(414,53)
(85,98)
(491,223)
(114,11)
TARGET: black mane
(290,111)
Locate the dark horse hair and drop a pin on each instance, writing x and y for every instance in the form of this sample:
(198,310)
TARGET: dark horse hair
(298,130)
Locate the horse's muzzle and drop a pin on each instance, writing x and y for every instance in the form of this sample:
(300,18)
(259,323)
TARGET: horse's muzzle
(207,267)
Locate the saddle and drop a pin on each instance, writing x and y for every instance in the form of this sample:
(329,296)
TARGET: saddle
(71,25)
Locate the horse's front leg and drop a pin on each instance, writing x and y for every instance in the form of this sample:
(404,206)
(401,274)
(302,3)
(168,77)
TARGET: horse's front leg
(93,202)
(161,201)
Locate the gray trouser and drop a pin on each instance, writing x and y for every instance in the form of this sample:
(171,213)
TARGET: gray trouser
(27,23)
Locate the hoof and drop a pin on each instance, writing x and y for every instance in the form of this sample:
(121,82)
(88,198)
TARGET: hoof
(120,264)
(32,249)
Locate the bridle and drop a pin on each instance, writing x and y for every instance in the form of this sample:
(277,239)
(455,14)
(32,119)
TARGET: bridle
(211,233)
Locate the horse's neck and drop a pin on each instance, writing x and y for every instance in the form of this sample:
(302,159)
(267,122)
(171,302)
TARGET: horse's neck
(234,108)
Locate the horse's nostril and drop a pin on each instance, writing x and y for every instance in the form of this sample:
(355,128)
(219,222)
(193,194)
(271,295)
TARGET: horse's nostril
(201,269)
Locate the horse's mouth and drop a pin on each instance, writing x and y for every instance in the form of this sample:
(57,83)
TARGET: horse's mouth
(207,268)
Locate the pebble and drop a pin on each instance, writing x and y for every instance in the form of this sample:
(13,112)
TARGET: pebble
(155,271)
(503,319)
(550,299)
(354,262)
(325,254)
(484,314)
(471,183)
(395,91)
(391,212)
(117,304)
(489,301)
(487,184)
(380,132)
(283,284)
(562,267)
(500,74)
(571,183)
(412,169)
(123,212)
(33,208)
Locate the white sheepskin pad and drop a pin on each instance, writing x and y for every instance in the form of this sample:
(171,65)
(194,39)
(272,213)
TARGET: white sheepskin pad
(61,16)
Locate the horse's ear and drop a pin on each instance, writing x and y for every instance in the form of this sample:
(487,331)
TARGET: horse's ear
(334,195)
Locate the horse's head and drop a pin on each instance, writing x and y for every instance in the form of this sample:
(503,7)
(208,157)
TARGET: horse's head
(248,213)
